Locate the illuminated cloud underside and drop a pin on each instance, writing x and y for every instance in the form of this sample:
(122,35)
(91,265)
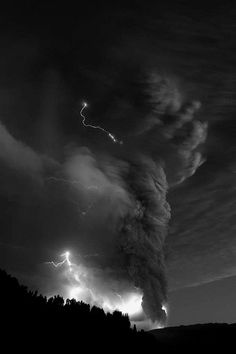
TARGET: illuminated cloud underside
(128,303)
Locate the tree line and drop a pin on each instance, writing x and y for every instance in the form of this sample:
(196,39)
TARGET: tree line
(26,314)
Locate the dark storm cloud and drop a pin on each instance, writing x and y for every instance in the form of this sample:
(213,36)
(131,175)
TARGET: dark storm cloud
(145,85)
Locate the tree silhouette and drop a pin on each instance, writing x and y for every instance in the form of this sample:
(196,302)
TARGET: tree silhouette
(31,315)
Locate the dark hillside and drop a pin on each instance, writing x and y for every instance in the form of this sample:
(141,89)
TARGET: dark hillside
(199,338)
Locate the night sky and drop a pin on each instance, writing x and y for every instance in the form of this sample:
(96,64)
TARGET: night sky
(162,79)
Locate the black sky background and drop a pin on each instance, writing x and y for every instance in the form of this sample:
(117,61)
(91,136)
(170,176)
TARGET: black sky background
(55,56)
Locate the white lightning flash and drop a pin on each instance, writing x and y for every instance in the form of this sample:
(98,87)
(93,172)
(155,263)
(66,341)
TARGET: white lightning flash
(110,135)
(165,309)
(131,304)
(66,260)
(83,288)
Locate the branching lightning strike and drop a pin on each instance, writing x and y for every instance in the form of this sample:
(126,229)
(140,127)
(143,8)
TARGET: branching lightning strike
(131,303)
(66,260)
(109,134)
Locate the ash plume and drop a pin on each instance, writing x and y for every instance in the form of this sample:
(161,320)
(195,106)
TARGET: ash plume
(132,217)
(143,235)
(107,200)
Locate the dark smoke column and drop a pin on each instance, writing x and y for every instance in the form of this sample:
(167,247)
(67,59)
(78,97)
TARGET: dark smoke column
(171,139)
(143,236)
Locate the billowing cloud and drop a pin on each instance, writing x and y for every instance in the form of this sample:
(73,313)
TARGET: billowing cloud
(112,204)
(68,187)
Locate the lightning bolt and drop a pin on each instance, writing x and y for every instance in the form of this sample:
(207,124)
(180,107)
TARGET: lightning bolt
(81,284)
(109,134)
(165,309)
(66,260)
(76,273)
(82,288)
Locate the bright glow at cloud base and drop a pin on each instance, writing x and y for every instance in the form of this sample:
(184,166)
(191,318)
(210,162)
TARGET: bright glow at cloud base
(82,288)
